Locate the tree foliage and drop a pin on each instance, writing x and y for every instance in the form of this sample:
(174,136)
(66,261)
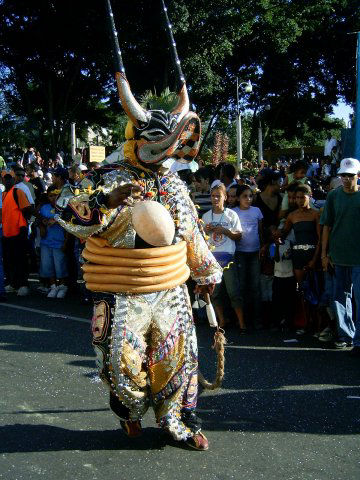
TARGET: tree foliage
(56,66)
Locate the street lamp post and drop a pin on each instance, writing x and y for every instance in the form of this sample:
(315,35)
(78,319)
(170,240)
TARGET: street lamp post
(260,138)
(260,142)
(247,89)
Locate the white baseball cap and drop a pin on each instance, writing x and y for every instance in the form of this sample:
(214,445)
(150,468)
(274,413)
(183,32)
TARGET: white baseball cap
(349,165)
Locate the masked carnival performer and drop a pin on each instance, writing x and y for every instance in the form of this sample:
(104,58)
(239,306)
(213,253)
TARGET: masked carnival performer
(143,241)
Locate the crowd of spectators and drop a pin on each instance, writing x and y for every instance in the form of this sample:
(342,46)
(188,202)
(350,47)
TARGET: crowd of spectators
(32,241)
(286,238)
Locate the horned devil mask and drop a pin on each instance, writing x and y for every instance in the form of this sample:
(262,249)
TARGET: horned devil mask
(153,136)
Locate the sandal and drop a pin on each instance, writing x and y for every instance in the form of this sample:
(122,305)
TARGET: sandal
(198,442)
(132,429)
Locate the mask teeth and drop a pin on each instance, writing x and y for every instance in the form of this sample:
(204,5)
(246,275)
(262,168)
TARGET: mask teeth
(180,80)
(119,65)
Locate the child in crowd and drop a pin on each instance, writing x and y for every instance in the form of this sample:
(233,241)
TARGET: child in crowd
(247,251)
(305,251)
(298,175)
(52,257)
(232,200)
(224,229)
(284,284)
(291,202)
(305,222)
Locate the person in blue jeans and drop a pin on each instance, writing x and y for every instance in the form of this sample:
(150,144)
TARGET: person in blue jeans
(340,252)
(247,254)
(52,257)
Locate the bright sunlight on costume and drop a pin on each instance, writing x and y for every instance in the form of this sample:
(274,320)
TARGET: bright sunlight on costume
(139,256)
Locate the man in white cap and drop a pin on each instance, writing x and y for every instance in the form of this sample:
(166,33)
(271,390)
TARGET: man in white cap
(341,253)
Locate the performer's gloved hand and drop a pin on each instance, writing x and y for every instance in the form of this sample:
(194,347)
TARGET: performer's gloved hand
(121,195)
(204,289)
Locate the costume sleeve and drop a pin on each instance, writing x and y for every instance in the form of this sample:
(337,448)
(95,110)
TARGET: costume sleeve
(85,214)
(203,266)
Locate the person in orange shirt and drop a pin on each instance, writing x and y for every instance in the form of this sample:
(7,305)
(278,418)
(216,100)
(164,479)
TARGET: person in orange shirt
(15,209)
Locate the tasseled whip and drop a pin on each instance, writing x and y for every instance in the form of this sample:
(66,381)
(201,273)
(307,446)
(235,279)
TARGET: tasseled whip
(218,346)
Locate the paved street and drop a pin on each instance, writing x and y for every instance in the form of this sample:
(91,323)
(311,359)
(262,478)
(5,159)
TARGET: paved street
(287,410)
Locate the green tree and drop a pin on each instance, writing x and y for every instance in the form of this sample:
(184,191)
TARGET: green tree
(57,67)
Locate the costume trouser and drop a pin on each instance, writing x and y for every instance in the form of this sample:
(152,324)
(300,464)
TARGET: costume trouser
(147,353)
(15,259)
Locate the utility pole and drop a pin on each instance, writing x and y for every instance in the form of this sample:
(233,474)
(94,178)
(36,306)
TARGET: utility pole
(260,142)
(239,151)
(73,140)
(238,130)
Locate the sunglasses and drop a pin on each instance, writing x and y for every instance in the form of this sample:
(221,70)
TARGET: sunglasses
(347,175)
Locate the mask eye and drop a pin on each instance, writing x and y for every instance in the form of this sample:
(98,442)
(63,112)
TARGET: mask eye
(154,134)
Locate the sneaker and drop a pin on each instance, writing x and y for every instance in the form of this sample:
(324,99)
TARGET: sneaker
(132,429)
(62,289)
(342,345)
(198,442)
(355,352)
(300,331)
(10,289)
(23,291)
(53,291)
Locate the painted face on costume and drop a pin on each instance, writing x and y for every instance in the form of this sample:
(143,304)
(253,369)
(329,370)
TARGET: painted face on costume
(232,200)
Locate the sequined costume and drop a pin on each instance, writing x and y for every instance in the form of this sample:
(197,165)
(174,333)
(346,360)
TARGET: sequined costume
(145,344)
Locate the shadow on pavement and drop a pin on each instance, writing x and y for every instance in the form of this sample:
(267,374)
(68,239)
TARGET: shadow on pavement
(269,385)
(45,438)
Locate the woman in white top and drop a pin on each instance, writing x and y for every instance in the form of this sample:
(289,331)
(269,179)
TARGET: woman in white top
(224,229)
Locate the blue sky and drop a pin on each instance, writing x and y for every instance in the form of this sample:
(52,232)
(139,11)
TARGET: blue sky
(341,110)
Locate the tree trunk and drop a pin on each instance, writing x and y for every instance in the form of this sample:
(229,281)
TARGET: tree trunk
(208,130)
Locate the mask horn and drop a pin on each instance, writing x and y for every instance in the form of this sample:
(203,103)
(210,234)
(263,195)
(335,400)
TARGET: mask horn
(183,105)
(132,108)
